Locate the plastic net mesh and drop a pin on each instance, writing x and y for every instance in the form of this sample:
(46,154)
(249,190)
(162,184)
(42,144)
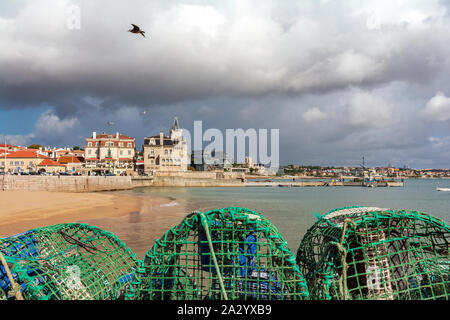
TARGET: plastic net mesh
(372,254)
(67,262)
(230,253)
(235,253)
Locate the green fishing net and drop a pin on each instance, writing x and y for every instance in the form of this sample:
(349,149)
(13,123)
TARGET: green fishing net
(376,254)
(235,253)
(66,262)
(230,253)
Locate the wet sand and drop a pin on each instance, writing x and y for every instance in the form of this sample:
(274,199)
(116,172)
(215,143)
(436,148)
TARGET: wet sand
(140,229)
(136,220)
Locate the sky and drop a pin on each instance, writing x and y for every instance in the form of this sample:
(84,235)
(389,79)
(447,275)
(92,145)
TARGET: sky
(339,79)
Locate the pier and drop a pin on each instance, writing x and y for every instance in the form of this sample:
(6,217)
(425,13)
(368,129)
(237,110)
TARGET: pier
(323,184)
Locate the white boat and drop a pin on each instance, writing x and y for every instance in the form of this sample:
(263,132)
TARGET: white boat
(443,189)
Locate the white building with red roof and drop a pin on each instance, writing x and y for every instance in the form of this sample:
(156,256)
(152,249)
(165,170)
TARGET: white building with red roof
(50,166)
(109,153)
(73,164)
(7,148)
(21,161)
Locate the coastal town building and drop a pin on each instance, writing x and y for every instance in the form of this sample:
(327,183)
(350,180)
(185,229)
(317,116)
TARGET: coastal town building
(210,160)
(166,153)
(109,154)
(7,148)
(50,166)
(21,161)
(56,153)
(73,164)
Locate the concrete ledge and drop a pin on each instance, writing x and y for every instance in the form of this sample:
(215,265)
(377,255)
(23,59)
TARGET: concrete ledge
(196,182)
(65,183)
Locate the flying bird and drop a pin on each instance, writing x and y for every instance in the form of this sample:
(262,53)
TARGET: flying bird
(144,112)
(136,29)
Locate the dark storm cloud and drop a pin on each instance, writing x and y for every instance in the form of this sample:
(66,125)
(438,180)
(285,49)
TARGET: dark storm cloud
(342,76)
(195,51)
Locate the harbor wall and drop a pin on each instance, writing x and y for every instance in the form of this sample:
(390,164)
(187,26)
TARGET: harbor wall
(175,181)
(65,183)
(219,175)
(109,183)
(199,179)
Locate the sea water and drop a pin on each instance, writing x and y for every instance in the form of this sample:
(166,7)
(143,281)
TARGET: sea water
(294,209)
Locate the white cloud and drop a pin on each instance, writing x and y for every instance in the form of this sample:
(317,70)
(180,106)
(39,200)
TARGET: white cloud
(49,123)
(370,110)
(17,140)
(438,108)
(314,114)
(221,55)
(439,142)
(198,50)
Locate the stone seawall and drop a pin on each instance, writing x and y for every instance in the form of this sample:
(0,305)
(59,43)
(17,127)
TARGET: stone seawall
(202,175)
(195,182)
(93,184)
(138,182)
(64,183)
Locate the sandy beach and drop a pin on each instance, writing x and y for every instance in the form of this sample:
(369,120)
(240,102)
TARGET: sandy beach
(138,221)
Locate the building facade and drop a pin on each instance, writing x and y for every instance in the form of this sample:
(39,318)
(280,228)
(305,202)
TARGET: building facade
(109,154)
(73,164)
(21,161)
(50,166)
(166,153)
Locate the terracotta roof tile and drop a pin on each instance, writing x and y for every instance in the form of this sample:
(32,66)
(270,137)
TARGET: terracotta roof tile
(49,162)
(69,159)
(26,154)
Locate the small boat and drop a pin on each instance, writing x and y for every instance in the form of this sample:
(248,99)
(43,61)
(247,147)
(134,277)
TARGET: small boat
(443,189)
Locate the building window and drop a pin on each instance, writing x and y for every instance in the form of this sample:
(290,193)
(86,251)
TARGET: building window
(89,144)
(121,144)
(121,152)
(129,152)
(152,152)
(166,152)
(89,151)
(129,144)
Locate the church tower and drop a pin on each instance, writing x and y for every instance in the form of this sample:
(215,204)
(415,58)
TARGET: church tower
(176,134)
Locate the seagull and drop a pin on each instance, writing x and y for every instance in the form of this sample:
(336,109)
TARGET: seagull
(136,29)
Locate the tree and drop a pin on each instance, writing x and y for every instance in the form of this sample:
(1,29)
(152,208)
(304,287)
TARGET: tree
(34,146)
(76,148)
